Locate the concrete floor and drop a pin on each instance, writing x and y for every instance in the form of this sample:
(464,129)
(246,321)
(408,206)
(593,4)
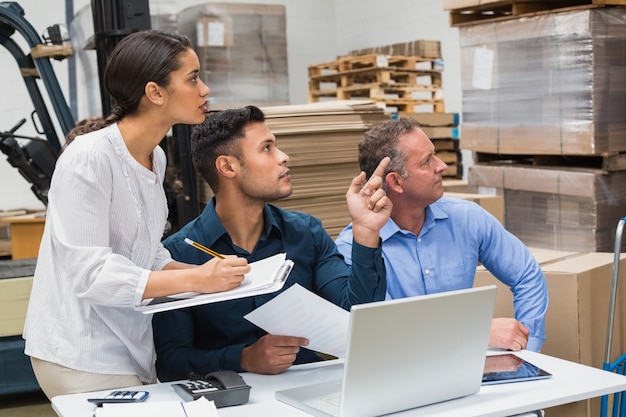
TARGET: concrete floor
(34,404)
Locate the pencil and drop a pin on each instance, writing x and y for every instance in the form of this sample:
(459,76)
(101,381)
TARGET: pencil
(203,248)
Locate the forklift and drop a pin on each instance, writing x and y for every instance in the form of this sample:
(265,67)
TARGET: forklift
(35,157)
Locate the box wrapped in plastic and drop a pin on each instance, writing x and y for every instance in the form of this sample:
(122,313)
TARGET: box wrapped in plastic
(550,84)
(242,50)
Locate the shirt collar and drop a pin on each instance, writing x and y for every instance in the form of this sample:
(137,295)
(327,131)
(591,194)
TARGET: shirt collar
(433,213)
(271,223)
(210,221)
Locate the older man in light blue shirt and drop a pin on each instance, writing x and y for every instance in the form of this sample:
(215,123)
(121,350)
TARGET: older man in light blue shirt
(433,243)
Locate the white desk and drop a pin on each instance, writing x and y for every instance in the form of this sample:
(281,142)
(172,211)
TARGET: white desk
(571,382)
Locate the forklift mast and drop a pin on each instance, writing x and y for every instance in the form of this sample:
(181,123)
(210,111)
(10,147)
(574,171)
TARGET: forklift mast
(35,157)
(36,64)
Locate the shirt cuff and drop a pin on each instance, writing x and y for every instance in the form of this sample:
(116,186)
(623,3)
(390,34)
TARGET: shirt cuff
(364,255)
(232,358)
(534,344)
(141,288)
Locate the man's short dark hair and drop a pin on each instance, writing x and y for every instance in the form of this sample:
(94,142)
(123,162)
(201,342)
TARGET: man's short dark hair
(218,135)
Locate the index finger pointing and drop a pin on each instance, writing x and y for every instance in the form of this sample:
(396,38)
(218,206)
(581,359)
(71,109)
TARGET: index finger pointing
(380,169)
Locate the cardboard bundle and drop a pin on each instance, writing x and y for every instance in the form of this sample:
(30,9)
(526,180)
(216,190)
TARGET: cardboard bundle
(548,84)
(557,208)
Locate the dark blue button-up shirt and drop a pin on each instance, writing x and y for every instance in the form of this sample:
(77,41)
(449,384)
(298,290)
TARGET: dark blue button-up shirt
(212,336)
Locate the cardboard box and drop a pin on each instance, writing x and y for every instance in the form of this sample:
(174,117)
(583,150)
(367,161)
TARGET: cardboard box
(421,48)
(14,295)
(557,207)
(494,204)
(458,186)
(524,80)
(433,119)
(579,287)
(242,50)
(26,234)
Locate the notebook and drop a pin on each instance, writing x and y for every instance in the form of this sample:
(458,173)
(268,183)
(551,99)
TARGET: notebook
(406,353)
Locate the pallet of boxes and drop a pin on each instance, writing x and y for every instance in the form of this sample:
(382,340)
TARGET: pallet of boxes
(544,105)
(404,79)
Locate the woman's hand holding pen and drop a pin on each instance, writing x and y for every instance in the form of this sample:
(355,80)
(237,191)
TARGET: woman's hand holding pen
(221,274)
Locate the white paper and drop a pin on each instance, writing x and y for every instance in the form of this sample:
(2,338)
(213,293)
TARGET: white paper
(198,408)
(299,312)
(482,76)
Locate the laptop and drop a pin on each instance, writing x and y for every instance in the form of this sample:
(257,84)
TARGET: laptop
(406,353)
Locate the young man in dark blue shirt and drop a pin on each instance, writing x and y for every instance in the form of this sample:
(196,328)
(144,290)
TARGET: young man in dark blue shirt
(237,154)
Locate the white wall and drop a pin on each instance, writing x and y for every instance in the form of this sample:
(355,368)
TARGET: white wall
(317,31)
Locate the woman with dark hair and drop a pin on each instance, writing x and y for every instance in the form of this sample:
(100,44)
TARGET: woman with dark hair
(101,253)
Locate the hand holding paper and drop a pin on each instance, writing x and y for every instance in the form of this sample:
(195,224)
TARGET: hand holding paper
(299,312)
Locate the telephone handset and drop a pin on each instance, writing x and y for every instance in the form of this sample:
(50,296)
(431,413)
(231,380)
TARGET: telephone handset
(224,387)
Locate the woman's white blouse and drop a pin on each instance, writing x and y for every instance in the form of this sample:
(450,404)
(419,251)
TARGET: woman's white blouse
(105,218)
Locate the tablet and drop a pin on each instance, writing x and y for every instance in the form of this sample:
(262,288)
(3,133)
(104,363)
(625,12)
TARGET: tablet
(500,369)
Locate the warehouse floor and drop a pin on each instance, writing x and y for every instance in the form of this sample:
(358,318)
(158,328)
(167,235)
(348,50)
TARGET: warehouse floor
(34,404)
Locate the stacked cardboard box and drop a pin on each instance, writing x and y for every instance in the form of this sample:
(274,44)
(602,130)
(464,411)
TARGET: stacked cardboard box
(548,94)
(550,84)
(561,209)
(463,12)
(579,287)
(401,77)
(321,140)
(5,232)
(242,50)
(16,374)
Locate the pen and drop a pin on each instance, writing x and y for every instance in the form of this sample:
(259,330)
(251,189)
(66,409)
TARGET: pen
(203,248)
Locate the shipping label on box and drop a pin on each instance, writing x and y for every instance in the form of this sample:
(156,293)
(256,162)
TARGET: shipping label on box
(215,31)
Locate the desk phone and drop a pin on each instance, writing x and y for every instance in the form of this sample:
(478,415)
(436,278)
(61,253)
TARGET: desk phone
(224,387)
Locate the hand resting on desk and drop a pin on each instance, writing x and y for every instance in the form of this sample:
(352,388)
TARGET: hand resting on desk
(508,333)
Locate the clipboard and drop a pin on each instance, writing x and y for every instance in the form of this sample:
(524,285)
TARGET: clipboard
(266,276)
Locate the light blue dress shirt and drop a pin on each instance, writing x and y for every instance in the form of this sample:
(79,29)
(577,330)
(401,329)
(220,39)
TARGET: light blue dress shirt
(456,236)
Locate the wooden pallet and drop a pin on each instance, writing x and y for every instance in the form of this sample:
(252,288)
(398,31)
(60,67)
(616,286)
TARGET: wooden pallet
(428,79)
(481,11)
(397,81)
(377,92)
(374,61)
(607,162)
